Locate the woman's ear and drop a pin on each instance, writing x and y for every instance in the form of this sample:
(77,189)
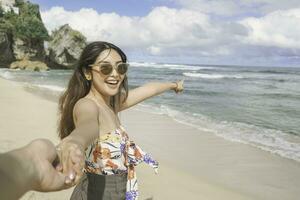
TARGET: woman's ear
(87,74)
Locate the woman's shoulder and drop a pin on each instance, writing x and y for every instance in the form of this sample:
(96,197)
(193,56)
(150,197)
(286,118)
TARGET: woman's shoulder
(85,105)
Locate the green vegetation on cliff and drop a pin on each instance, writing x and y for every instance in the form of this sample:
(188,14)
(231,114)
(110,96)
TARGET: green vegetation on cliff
(1,12)
(56,36)
(26,25)
(7,21)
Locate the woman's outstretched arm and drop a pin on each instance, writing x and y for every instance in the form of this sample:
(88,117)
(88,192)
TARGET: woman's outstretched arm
(86,114)
(148,90)
(71,148)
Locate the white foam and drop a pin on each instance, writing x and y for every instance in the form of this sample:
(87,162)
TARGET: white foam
(270,140)
(170,66)
(6,74)
(210,76)
(53,88)
(142,64)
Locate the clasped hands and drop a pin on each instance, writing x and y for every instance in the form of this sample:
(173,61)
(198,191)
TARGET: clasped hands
(55,168)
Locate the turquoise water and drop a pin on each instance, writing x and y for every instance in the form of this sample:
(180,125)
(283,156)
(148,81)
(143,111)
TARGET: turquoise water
(259,106)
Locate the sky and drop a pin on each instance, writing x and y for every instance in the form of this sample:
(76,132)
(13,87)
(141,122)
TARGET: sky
(215,32)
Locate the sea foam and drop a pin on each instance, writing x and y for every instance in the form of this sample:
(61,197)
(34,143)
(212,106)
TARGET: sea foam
(270,140)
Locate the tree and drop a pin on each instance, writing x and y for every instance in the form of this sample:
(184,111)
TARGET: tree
(8,21)
(26,25)
(1,12)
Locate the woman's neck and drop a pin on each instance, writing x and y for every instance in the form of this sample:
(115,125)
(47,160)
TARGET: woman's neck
(99,97)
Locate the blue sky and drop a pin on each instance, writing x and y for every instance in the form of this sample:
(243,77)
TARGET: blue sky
(122,7)
(238,32)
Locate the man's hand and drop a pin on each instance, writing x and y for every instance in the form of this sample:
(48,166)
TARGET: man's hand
(45,177)
(31,168)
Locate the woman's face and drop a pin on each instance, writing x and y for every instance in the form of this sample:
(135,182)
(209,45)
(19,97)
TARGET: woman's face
(105,84)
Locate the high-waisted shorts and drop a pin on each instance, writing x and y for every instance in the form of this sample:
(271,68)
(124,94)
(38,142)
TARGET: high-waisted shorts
(100,187)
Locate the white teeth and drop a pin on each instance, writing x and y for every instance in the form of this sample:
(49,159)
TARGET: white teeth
(112,82)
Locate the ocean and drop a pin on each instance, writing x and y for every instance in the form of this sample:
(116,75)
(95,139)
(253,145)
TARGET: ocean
(258,106)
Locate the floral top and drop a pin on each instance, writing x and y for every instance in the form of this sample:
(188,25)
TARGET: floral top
(114,153)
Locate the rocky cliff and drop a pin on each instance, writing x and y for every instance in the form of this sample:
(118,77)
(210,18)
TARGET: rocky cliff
(6,52)
(65,47)
(23,35)
(22,32)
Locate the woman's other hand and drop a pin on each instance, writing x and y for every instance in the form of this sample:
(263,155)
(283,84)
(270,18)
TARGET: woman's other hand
(179,86)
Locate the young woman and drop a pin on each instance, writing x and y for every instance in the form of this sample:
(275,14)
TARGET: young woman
(89,123)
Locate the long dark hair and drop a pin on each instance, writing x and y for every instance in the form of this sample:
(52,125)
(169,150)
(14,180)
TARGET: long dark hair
(79,86)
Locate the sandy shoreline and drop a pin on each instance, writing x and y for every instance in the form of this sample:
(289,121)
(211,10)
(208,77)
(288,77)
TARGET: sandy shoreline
(193,164)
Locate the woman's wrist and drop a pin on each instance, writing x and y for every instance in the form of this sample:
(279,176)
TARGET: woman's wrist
(174,86)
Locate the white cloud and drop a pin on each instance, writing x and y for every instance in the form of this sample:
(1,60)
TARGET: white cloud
(95,26)
(220,7)
(164,31)
(240,7)
(190,34)
(267,6)
(154,50)
(277,29)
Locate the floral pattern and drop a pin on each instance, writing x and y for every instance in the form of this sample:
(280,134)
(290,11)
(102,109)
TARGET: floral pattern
(114,153)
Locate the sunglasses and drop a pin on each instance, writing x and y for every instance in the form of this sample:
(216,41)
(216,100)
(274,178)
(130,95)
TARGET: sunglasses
(107,68)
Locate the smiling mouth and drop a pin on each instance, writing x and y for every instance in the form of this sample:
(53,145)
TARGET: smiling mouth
(112,82)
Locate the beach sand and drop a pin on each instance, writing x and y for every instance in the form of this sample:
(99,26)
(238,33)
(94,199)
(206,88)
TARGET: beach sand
(193,164)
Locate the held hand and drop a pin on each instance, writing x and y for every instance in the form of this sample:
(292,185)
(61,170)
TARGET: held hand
(179,86)
(71,156)
(41,154)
